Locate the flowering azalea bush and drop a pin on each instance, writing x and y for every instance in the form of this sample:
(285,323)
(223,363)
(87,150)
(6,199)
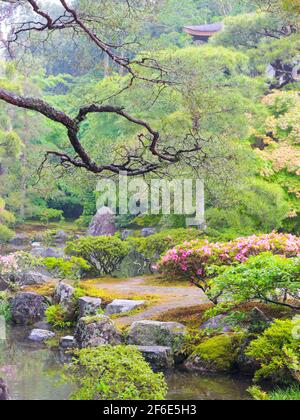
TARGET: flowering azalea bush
(200,261)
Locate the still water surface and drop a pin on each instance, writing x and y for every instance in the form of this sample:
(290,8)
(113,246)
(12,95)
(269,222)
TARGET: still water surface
(32,373)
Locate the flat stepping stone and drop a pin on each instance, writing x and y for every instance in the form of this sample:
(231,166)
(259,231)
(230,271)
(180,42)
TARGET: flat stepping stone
(39,336)
(119,306)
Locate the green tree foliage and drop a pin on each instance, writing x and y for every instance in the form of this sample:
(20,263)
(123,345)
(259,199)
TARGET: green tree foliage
(267,277)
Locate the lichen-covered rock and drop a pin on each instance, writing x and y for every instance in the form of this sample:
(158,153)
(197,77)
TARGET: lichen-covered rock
(160,358)
(216,354)
(218,323)
(146,232)
(133,265)
(103,223)
(96,331)
(119,306)
(39,336)
(60,237)
(154,333)
(20,239)
(258,321)
(48,252)
(28,308)
(88,306)
(31,278)
(67,342)
(64,295)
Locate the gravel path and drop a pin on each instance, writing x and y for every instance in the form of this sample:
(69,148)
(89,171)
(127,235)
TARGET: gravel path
(171,298)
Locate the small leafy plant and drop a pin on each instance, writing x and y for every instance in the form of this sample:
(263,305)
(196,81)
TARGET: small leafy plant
(56,316)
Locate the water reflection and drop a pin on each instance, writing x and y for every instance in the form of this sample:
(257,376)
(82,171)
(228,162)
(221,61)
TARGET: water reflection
(188,386)
(32,373)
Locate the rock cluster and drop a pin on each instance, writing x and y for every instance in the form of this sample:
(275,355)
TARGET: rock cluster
(28,308)
(96,331)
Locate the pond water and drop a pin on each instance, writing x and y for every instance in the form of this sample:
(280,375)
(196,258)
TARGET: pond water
(32,373)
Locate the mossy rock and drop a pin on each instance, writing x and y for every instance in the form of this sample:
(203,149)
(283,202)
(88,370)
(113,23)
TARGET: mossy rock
(217,354)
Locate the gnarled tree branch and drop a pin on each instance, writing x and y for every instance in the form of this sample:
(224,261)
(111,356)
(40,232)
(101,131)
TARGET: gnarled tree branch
(134,163)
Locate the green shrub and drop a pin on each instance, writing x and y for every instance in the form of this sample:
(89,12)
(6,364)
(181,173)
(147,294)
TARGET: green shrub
(5,308)
(116,373)
(46,215)
(267,277)
(104,254)
(57,316)
(156,245)
(6,234)
(67,269)
(277,350)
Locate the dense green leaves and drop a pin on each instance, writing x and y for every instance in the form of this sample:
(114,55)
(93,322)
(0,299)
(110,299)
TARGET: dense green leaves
(103,253)
(116,373)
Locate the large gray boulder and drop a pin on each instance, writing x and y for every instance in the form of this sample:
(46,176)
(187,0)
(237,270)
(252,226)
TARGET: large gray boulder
(32,278)
(146,232)
(64,295)
(103,223)
(42,252)
(88,306)
(160,358)
(154,333)
(28,308)
(96,331)
(133,265)
(119,306)
(61,237)
(20,239)
(218,323)
(39,336)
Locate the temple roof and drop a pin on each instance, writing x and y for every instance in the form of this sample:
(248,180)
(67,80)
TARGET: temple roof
(208,30)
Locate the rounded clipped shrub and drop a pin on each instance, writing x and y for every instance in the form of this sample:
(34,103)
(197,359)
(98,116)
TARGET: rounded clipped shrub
(156,245)
(116,373)
(103,253)
(278,350)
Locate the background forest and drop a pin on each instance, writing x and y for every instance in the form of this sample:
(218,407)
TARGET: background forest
(241,90)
